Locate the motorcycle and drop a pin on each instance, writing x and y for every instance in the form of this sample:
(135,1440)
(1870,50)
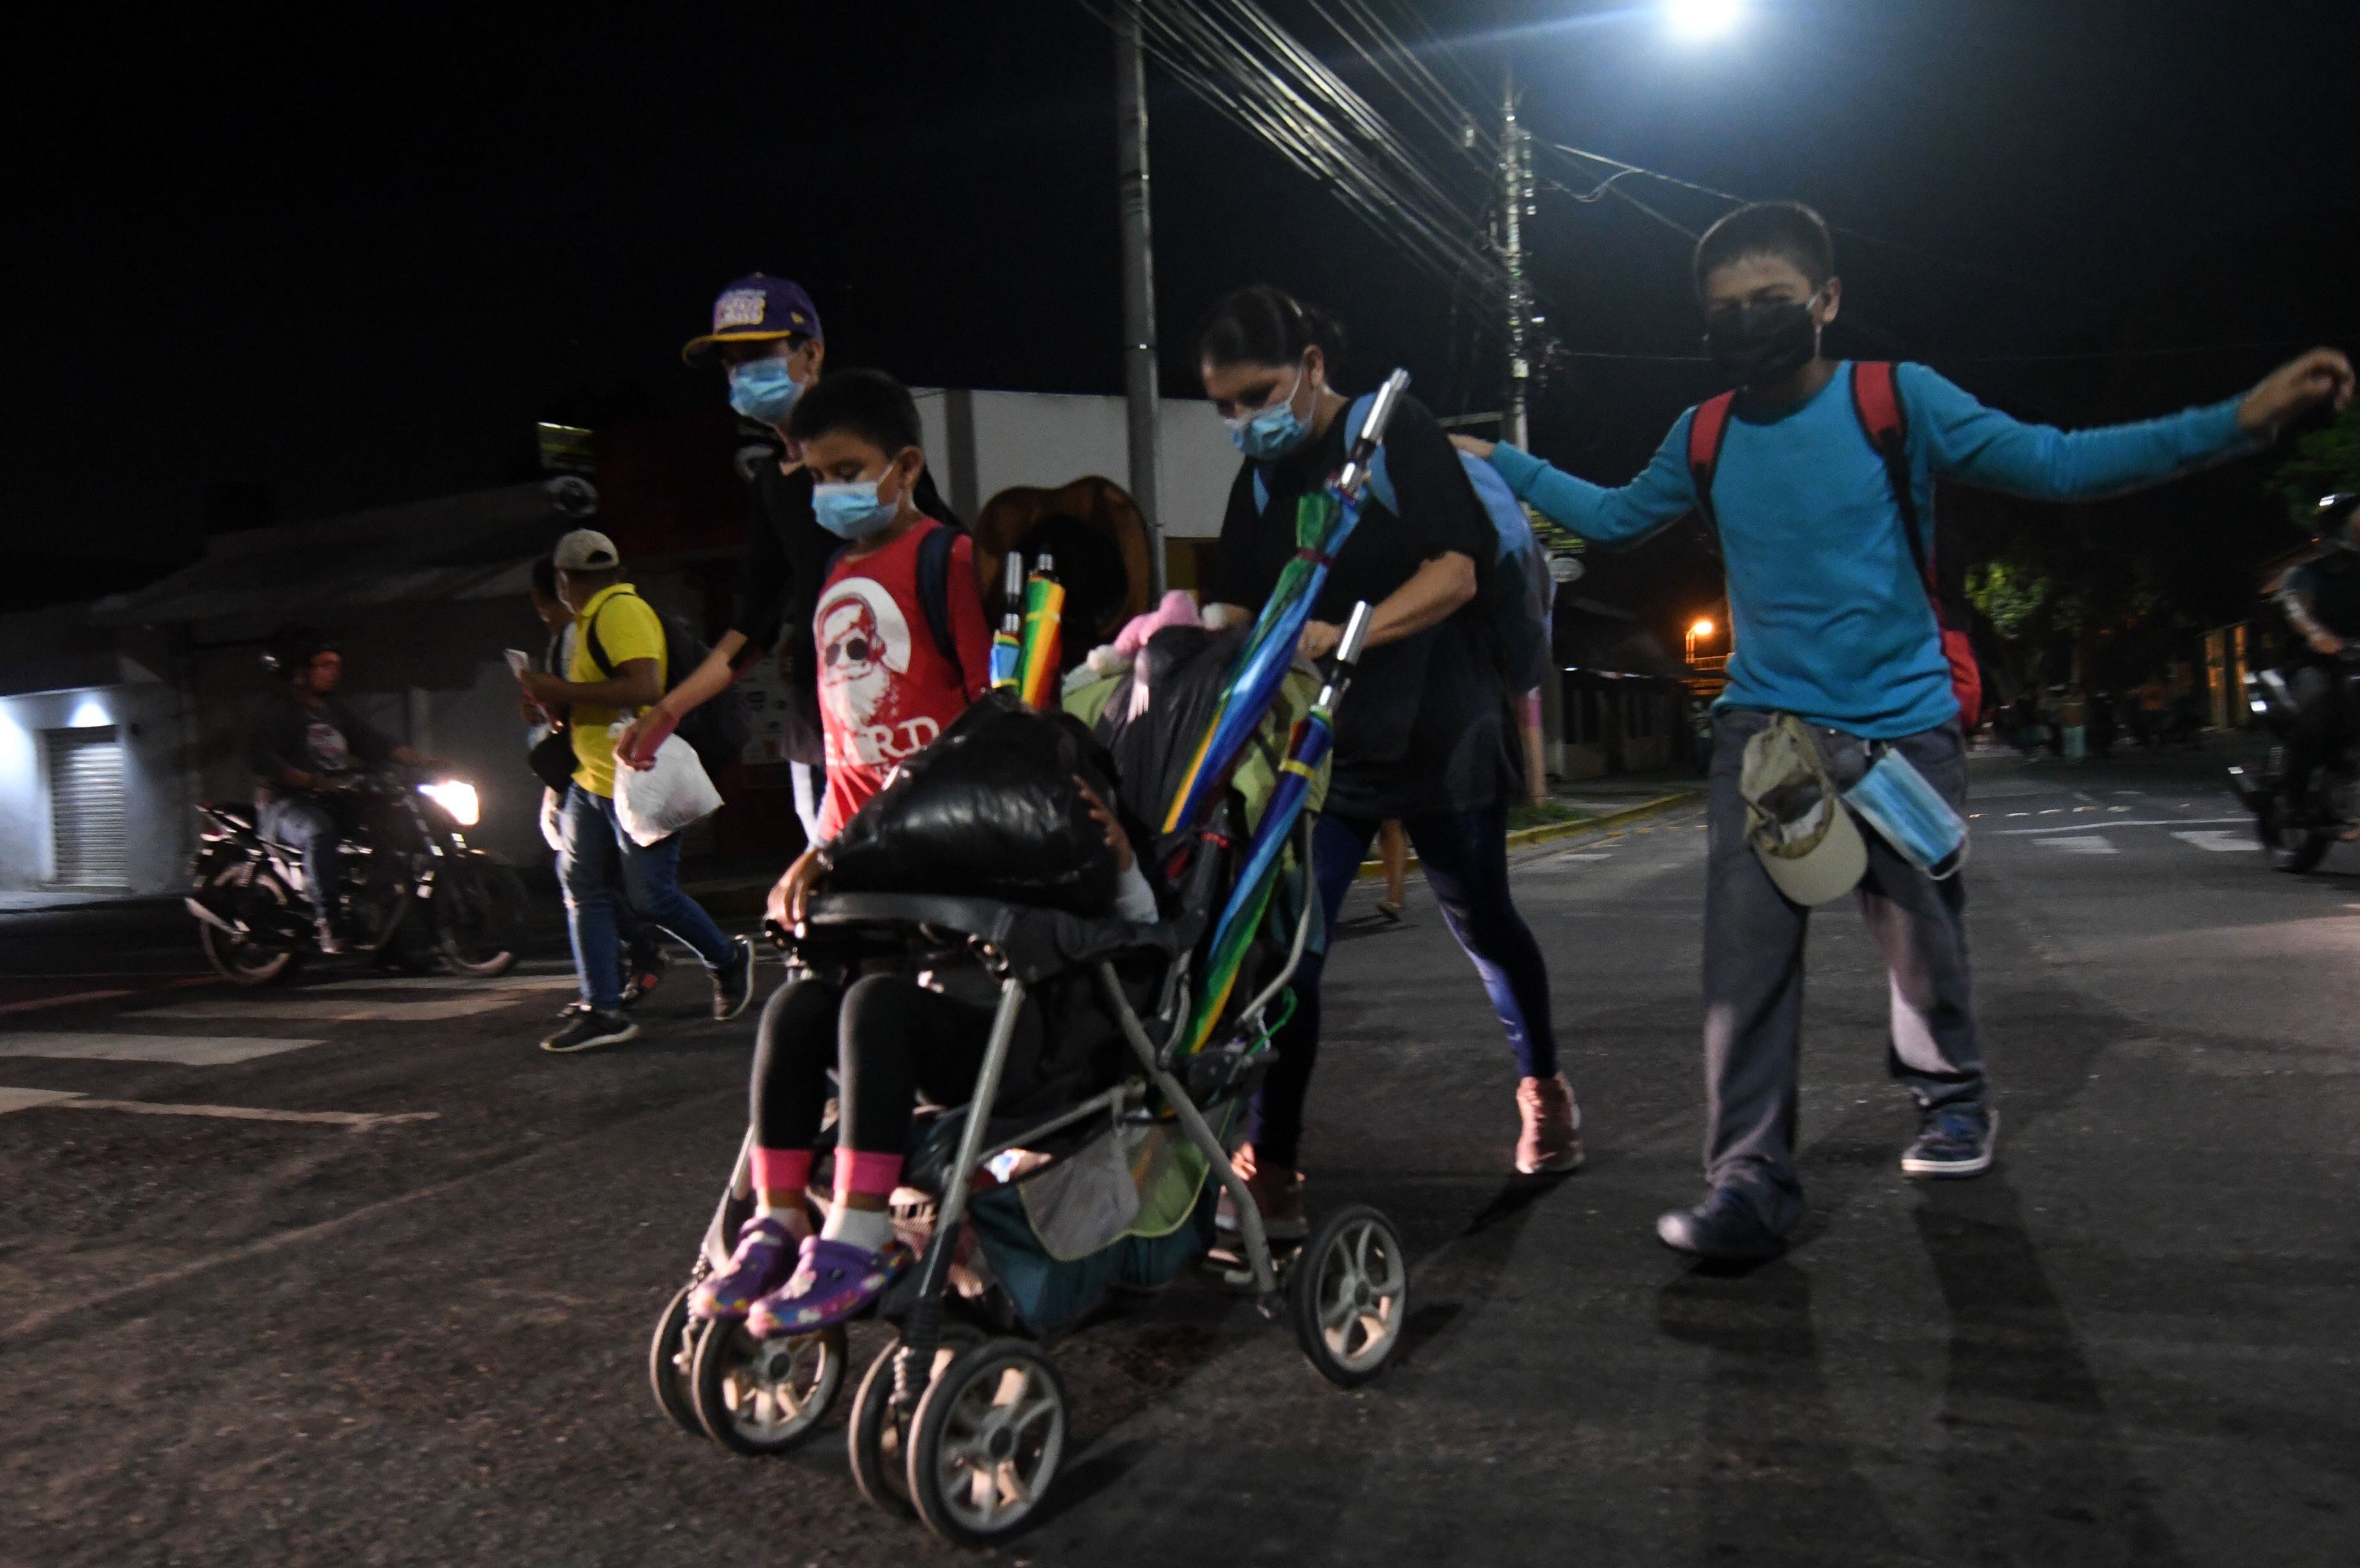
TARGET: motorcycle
(2299,819)
(413,890)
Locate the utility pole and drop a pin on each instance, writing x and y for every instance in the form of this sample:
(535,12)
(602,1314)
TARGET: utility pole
(1138,275)
(1515,205)
(1516,199)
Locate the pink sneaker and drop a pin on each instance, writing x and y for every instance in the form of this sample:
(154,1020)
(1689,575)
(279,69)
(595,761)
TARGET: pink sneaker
(1551,1140)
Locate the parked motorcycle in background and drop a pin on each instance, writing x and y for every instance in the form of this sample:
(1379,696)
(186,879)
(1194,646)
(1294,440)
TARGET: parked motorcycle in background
(2299,819)
(414,890)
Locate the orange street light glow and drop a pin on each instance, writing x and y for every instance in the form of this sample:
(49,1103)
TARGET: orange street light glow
(1702,629)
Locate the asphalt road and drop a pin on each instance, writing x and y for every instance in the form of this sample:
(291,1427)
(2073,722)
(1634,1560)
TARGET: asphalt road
(417,1333)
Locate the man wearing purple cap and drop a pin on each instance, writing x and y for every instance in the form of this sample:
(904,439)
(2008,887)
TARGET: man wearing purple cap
(767,332)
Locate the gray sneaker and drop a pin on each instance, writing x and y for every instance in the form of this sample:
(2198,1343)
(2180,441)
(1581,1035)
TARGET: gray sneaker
(1954,1141)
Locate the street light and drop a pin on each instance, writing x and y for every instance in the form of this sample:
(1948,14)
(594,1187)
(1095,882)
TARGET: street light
(1698,633)
(1701,19)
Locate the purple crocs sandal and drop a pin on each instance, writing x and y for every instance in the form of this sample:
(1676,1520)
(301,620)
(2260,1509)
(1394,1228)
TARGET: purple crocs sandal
(765,1251)
(835,1282)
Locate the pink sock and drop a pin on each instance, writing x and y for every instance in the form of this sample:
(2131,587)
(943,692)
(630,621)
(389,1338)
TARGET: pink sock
(870,1175)
(781,1171)
(875,1175)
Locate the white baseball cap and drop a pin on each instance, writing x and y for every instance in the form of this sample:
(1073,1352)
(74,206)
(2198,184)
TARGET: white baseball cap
(585,549)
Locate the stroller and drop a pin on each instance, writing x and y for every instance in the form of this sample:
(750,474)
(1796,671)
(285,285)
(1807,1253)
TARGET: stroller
(1102,1174)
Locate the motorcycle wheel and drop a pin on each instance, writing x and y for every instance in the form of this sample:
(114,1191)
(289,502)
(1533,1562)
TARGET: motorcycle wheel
(479,914)
(242,960)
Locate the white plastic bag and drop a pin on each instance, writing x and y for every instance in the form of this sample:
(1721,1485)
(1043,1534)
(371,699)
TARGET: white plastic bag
(552,827)
(657,802)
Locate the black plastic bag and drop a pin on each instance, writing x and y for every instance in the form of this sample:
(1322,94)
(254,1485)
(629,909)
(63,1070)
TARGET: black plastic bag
(990,810)
(1187,668)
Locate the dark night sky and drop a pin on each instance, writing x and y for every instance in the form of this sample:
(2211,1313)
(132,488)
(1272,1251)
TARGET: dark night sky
(354,259)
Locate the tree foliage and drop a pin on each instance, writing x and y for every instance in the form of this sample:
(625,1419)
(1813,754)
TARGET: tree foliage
(2324,462)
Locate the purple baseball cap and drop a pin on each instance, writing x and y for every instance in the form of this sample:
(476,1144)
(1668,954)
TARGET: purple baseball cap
(759,308)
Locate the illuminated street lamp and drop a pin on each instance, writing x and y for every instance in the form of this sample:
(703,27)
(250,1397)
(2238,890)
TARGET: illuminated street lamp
(1701,19)
(1700,631)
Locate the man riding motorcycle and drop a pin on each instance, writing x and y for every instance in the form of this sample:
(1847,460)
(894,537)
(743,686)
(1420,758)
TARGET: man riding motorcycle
(307,750)
(2320,599)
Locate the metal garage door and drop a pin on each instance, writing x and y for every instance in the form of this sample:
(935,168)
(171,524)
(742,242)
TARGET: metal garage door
(86,806)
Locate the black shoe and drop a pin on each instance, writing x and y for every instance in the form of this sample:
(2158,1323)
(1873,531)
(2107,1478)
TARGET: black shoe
(1952,1142)
(1723,1229)
(589,1028)
(733,982)
(643,973)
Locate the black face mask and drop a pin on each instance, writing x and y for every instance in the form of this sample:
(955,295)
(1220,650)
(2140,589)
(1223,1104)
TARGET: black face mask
(1762,346)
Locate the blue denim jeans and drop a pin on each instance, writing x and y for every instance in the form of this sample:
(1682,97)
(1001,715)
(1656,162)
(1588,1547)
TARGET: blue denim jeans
(596,847)
(306,826)
(1464,856)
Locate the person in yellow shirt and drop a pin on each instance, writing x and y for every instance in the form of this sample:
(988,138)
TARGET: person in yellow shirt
(617,670)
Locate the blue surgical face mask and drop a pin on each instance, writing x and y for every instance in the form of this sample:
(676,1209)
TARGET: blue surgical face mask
(1274,431)
(852,511)
(1910,814)
(761,389)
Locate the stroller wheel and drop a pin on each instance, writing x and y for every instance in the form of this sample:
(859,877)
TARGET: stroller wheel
(878,1436)
(988,1437)
(764,1396)
(671,1359)
(1350,1295)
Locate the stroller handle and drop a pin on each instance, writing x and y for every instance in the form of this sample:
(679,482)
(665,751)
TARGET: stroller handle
(1356,633)
(1355,474)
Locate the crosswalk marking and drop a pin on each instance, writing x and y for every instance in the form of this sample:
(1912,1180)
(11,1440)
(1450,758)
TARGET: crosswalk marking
(2141,822)
(185,1051)
(332,1009)
(2220,841)
(64,1099)
(2082,843)
(26,1099)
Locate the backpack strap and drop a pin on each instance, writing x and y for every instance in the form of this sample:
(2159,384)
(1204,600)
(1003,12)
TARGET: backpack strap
(1876,399)
(935,588)
(933,585)
(1707,430)
(590,638)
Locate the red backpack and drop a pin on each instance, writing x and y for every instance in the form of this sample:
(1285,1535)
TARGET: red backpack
(1877,402)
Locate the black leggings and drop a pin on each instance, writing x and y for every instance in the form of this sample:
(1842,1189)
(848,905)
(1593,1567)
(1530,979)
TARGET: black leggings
(888,1037)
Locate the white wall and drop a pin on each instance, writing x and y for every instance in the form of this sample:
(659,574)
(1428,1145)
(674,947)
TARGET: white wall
(1052,438)
(157,828)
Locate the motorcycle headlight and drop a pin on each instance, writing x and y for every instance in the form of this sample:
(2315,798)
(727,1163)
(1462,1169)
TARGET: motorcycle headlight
(456,797)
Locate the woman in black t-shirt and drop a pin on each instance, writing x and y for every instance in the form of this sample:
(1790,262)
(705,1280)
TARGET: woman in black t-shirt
(1423,736)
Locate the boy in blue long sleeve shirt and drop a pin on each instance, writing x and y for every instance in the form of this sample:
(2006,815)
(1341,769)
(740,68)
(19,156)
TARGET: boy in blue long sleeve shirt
(1831,623)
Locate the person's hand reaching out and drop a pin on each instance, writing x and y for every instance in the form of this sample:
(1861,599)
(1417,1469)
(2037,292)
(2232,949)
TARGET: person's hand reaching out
(2294,389)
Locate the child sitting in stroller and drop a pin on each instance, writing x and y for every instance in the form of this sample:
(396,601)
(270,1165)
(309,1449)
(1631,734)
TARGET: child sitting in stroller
(891,1037)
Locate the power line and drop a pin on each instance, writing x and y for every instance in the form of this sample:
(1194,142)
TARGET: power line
(1233,57)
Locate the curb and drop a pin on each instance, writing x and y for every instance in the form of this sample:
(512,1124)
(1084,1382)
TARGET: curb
(1526,837)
